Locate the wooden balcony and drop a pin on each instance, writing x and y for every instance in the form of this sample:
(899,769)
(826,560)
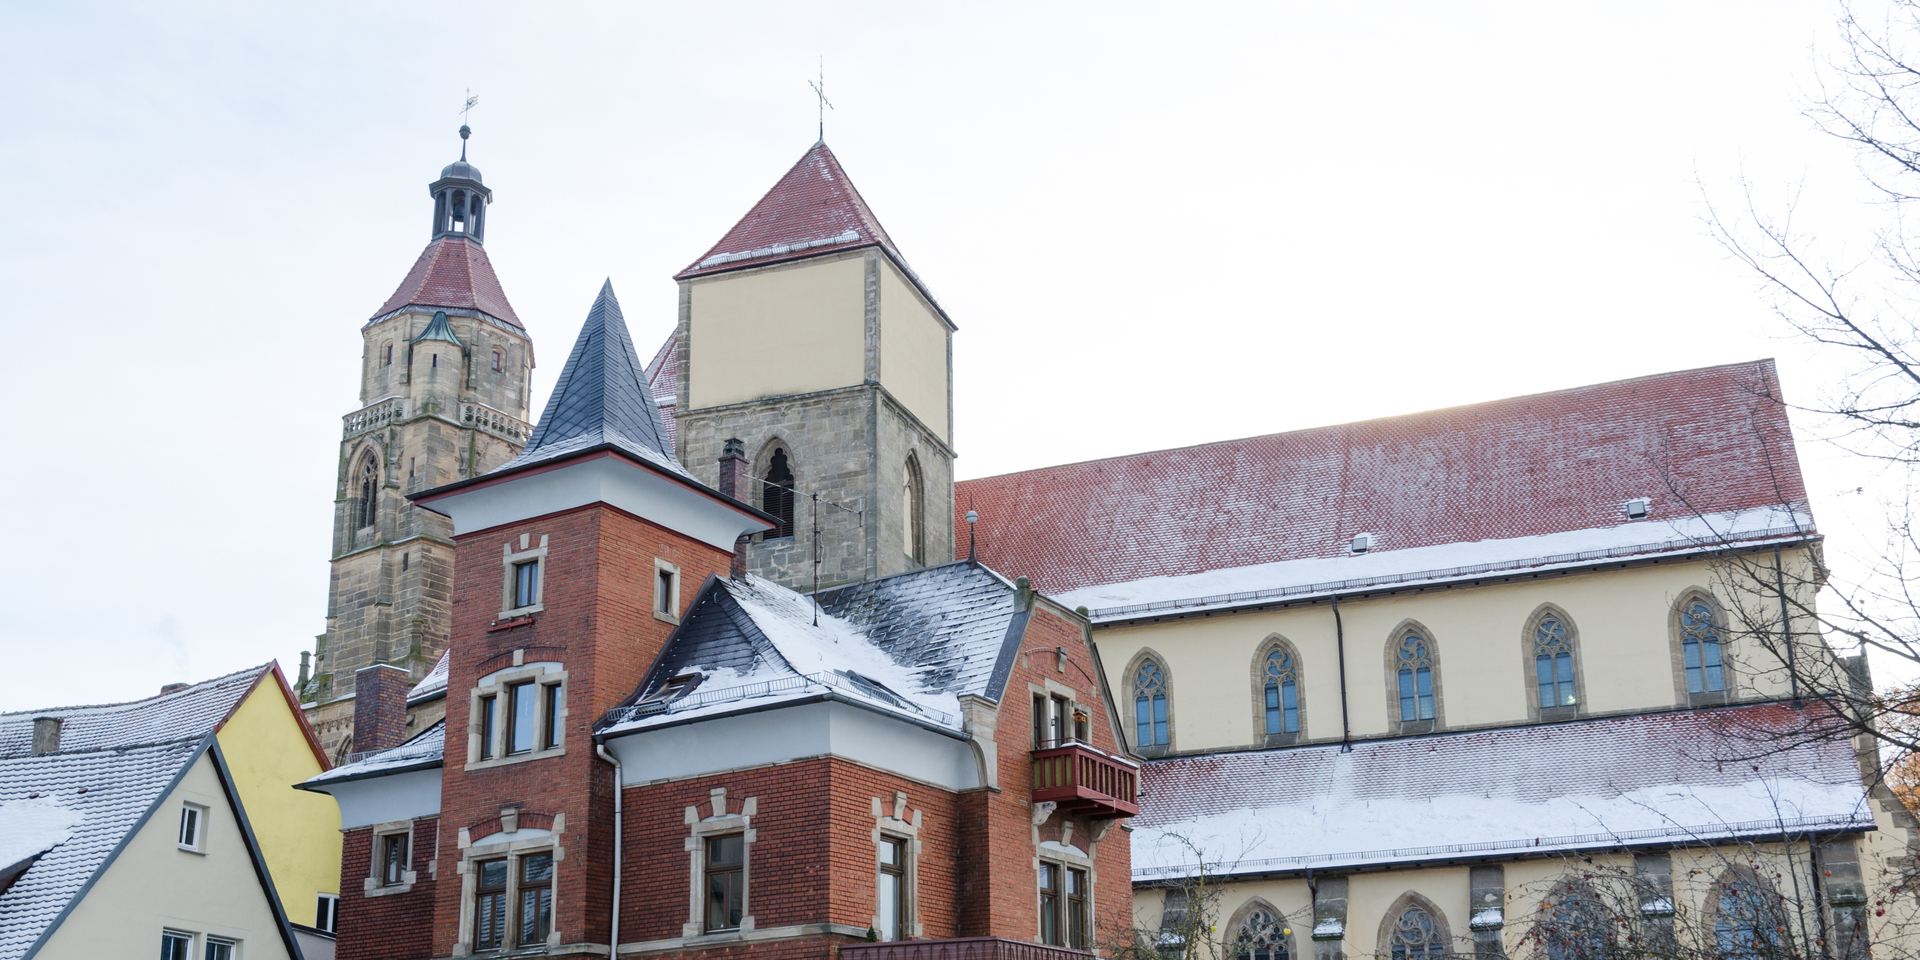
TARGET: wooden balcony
(962,948)
(1085,781)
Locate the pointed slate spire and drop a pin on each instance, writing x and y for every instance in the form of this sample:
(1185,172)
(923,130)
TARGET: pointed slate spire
(602,397)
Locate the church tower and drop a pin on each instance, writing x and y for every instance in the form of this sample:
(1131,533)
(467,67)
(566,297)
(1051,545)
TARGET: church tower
(444,381)
(804,335)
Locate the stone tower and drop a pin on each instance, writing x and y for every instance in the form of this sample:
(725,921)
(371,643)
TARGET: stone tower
(444,383)
(804,334)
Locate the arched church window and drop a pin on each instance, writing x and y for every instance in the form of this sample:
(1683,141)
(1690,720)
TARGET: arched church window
(1282,692)
(1416,937)
(1575,927)
(777,494)
(1150,704)
(1553,663)
(1415,675)
(1262,937)
(1700,647)
(1749,921)
(912,515)
(369,505)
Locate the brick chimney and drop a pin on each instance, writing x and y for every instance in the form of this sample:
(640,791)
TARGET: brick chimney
(379,708)
(46,735)
(734,482)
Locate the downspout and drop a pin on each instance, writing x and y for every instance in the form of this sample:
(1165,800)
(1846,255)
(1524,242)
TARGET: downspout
(613,935)
(1340,644)
(1819,896)
(1786,625)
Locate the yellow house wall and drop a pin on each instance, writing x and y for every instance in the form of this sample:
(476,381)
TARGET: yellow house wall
(1622,619)
(154,885)
(776,332)
(913,350)
(298,832)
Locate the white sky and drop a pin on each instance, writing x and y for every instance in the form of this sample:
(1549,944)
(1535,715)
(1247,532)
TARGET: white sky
(1155,224)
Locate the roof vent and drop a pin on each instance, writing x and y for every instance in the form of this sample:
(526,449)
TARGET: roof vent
(46,735)
(1362,542)
(1637,508)
(171,688)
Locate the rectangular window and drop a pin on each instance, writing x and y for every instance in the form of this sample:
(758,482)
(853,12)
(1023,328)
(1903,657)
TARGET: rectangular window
(1058,720)
(393,859)
(176,946)
(1077,909)
(522,700)
(496,360)
(489,722)
(1050,903)
(1080,727)
(193,826)
(536,899)
(219,948)
(893,888)
(490,905)
(387,361)
(1290,706)
(556,701)
(326,912)
(1040,722)
(1273,709)
(726,882)
(663,593)
(526,584)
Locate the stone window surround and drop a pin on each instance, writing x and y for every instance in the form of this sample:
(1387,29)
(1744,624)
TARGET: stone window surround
(1230,942)
(1133,723)
(369,454)
(673,602)
(1259,677)
(1443,930)
(1067,856)
(509,560)
(1530,670)
(545,673)
(512,845)
(1051,688)
(1395,726)
(757,470)
(1729,675)
(371,884)
(900,825)
(699,828)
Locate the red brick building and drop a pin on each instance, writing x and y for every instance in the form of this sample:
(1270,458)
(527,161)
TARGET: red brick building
(647,751)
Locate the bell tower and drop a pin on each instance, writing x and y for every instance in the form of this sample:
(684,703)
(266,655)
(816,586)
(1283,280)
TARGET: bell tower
(444,379)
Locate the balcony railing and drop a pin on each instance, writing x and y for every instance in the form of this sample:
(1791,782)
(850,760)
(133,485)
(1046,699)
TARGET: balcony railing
(373,417)
(1083,780)
(962,948)
(485,418)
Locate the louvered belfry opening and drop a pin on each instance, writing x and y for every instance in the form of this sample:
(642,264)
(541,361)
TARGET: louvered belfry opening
(777,494)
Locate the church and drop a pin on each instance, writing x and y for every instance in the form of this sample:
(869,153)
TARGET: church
(1446,683)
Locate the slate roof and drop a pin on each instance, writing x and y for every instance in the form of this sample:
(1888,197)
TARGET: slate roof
(1526,466)
(191,713)
(601,398)
(910,644)
(663,381)
(453,273)
(111,791)
(423,752)
(1652,778)
(813,209)
(434,684)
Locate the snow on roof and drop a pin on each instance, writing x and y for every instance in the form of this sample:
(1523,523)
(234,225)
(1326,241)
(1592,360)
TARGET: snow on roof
(434,684)
(422,752)
(811,209)
(187,714)
(106,793)
(908,644)
(1709,441)
(1319,576)
(1652,778)
(29,828)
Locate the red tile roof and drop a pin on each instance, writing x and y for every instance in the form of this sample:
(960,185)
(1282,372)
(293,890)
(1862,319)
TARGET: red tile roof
(1708,441)
(452,273)
(814,209)
(663,378)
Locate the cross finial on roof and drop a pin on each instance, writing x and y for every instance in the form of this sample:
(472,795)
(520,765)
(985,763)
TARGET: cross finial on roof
(820,91)
(466,131)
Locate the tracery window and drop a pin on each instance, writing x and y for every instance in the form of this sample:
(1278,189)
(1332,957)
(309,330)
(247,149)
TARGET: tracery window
(1415,658)
(1282,692)
(1749,922)
(776,496)
(369,493)
(1416,937)
(1575,927)
(1700,648)
(1553,663)
(1150,704)
(1262,937)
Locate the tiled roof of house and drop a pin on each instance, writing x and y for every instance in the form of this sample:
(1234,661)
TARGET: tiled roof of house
(1713,441)
(422,752)
(188,714)
(663,381)
(106,793)
(1652,778)
(813,209)
(453,273)
(602,398)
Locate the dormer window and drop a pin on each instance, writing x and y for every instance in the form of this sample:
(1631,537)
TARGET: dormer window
(1362,542)
(1638,507)
(674,689)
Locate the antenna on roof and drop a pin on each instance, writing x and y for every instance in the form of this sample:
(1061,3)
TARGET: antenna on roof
(972,518)
(466,131)
(820,91)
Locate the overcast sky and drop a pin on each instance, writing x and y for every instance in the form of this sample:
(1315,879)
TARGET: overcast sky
(1155,224)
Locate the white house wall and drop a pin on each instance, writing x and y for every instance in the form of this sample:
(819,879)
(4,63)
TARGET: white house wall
(809,730)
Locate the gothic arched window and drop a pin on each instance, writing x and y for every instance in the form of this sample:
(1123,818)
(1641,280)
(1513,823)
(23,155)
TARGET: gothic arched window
(1150,704)
(1416,937)
(1414,667)
(1281,692)
(1553,663)
(913,514)
(1700,648)
(1749,921)
(1262,937)
(776,494)
(1575,927)
(369,505)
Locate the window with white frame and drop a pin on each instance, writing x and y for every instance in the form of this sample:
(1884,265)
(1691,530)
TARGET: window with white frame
(519,714)
(326,912)
(220,948)
(193,827)
(176,945)
(523,584)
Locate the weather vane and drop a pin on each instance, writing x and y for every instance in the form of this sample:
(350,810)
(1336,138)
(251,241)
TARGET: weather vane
(465,131)
(820,90)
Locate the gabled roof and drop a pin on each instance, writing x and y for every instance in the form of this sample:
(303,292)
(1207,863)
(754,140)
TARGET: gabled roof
(434,684)
(453,273)
(1713,441)
(663,381)
(601,398)
(813,209)
(1680,777)
(190,713)
(423,752)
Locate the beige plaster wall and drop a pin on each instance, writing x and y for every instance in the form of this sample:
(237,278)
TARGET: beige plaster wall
(776,332)
(913,350)
(1369,895)
(1625,655)
(154,885)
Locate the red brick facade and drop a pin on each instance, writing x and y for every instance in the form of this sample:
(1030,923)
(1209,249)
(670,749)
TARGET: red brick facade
(393,926)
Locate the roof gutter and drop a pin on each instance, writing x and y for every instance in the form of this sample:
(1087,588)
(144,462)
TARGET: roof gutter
(321,786)
(423,498)
(823,697)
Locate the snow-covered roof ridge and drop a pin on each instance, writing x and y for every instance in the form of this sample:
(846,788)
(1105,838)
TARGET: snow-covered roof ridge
(1651,778)
(422,752)
(185,714)
(1383,566)
(435,682)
